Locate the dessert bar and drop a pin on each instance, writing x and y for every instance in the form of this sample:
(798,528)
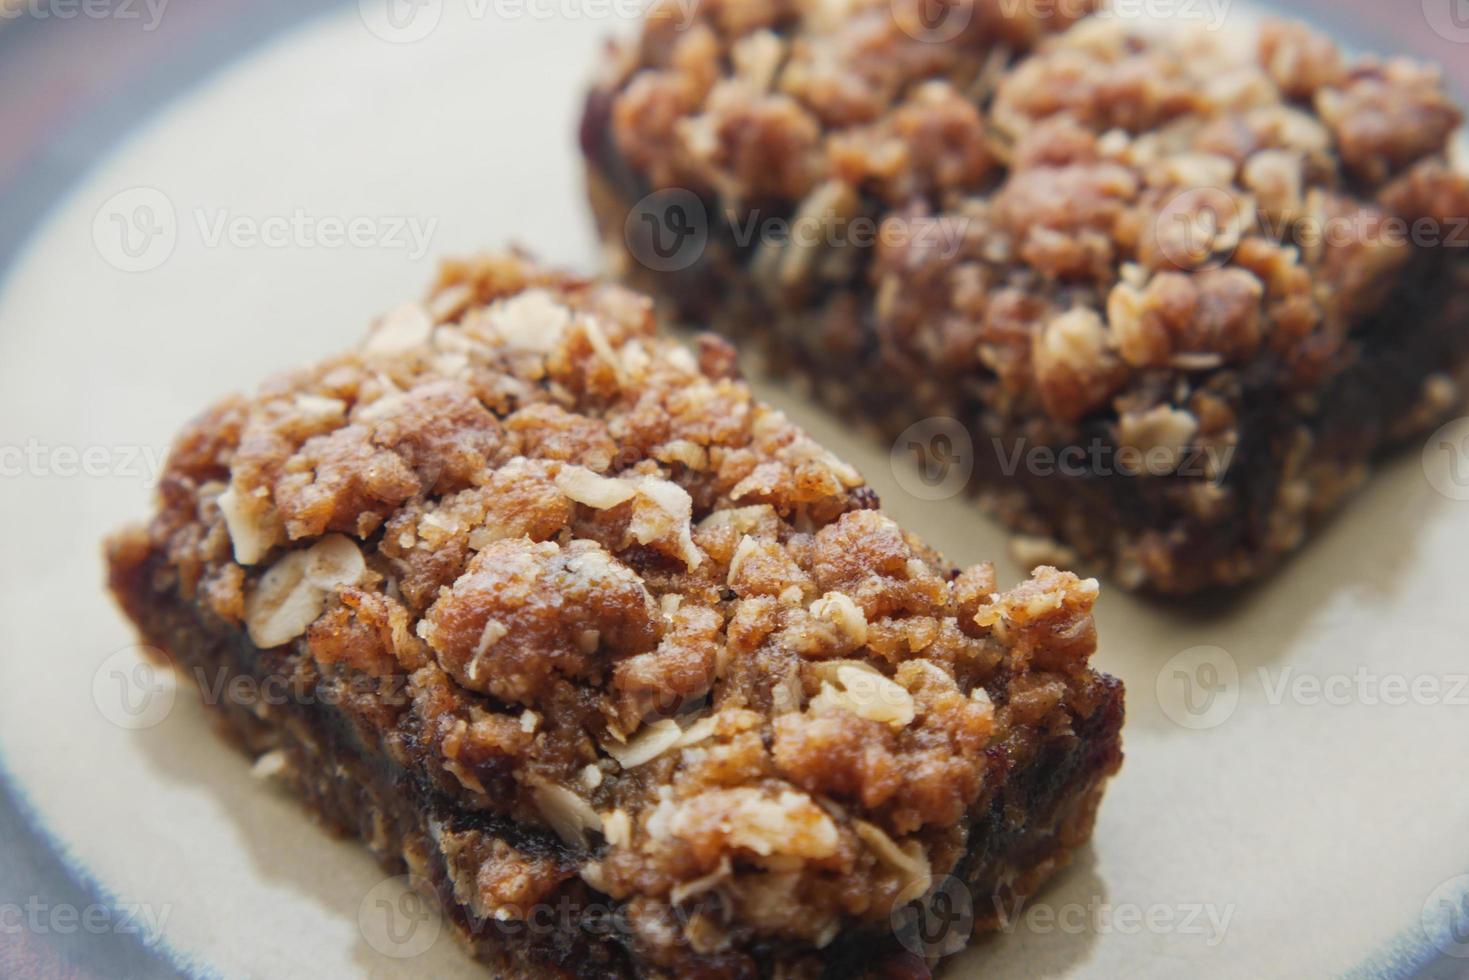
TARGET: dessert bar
(1178,287)
(632,677)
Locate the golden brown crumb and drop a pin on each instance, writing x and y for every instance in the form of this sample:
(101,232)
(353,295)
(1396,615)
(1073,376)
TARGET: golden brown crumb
(581,580)
(1133,221)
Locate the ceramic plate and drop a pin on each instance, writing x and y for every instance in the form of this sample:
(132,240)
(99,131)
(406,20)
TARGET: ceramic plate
(1292,803)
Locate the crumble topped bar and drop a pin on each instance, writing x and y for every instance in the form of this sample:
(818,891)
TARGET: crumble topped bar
(1163,243)
(575,619)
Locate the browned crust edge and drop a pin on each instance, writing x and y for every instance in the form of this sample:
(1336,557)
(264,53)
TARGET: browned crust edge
(354,792)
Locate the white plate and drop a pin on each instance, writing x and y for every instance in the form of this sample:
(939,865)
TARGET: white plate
(1259,835)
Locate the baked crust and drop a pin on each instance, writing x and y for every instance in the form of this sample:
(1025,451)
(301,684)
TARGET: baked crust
(566,618)
(1218,272)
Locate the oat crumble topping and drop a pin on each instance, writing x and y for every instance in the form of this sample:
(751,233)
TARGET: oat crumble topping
(570,574)
(1155,236)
